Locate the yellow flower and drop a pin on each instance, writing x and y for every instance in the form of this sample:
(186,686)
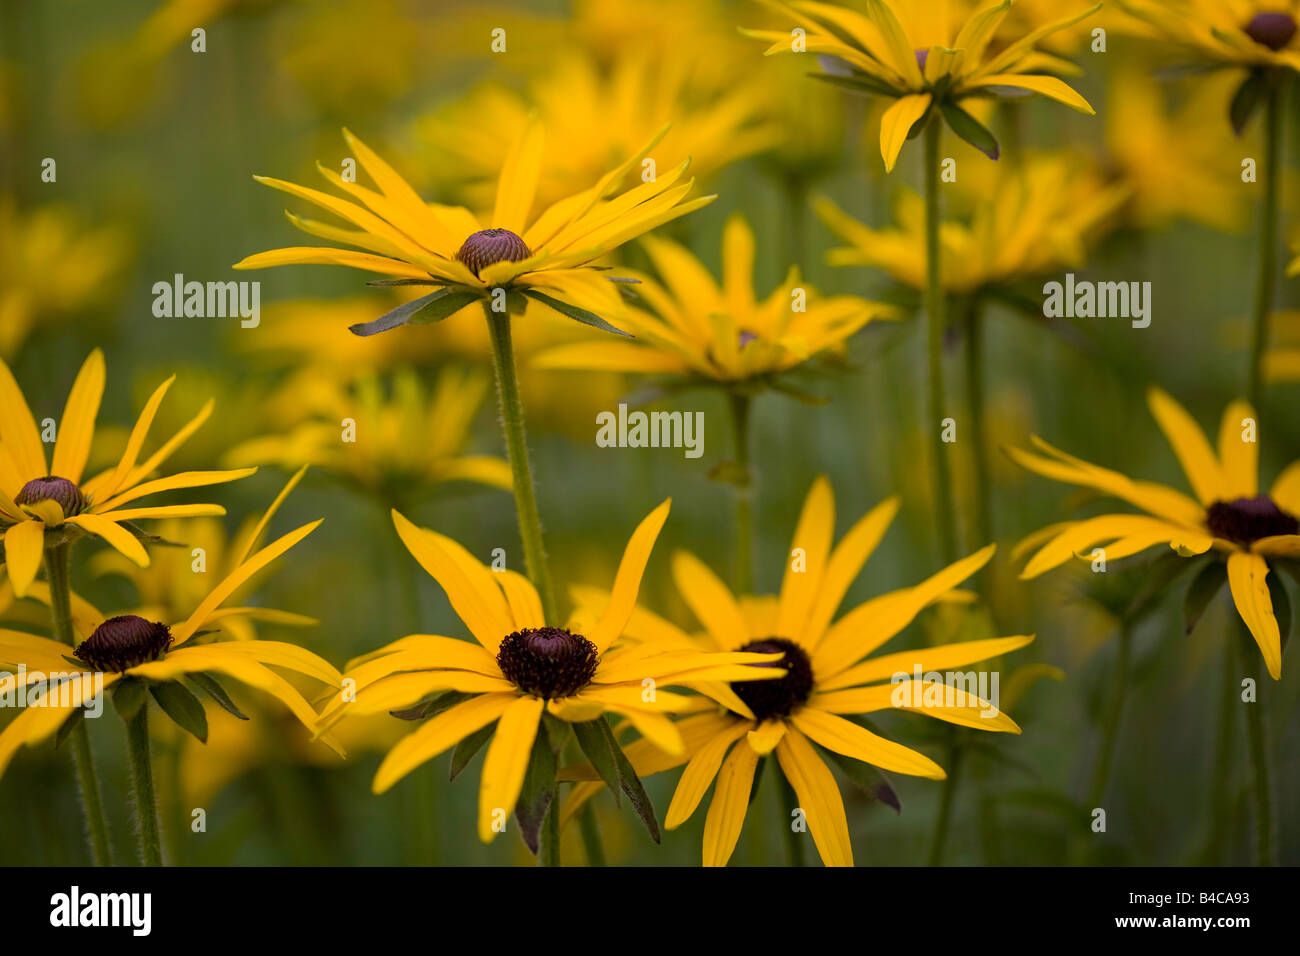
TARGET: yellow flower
(521,669)
(131,647)
(546,258)
(1025,222)
(601,118)
(826,676)
(1248,33)
(382,456)
(1282,362)
(720,332)
(53,266)
(40,498)
(911,51)
(1228,514)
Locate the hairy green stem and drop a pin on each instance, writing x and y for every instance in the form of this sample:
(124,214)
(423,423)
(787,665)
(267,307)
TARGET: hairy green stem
(1266,277)
(1221,771)
(146,803)
(512,425)
(1257,738)
(743,491)
(978,429)
(591,836)
(941,469)
(1111,722)
(943,820)
(58,563)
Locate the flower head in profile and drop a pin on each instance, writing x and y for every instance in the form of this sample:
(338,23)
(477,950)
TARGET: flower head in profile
(45,501)
(915,53)
(697,328)
(504,259)
(131,653)
(380,456)
(523,673)
(1021,224)
(1228,514)
(1248,33)
(830,681)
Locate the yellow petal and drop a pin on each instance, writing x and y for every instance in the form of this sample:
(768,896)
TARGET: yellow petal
(730,802)
(1239,457)
(1246,578)
(112,532)
(847,738)
(24,548)
(507,762)
(525,603)
(18,431)
(699,774)
(517,184)
(438,734)
(1048,86)
(803,575)
(627,582)
(819,798)
(897,123)
(77,426)
(710,601)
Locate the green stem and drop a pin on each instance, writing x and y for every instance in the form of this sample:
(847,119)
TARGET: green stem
(1222,770)
(1257,737)
(512,425)
(146,805)
(743,570)
(943,821)
(788,803)
(591,836)
(58,561)
(934,307)
(979,432)
(1266,277)
(796,197)
(548,850)
(1111,722)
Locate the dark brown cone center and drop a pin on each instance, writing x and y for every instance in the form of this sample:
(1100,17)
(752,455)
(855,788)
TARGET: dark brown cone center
(548,662)
(492,245)
(52,488)
(123,642)
(785,695)
(1273,30)
(1246,520)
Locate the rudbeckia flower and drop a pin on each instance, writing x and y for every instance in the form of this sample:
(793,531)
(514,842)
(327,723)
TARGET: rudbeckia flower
(1249,33)
(44,502)
(546,257)
(148,653)
(828,673)
(1228,513)
(910,51)
(522,669)
(382,458)
(698,328)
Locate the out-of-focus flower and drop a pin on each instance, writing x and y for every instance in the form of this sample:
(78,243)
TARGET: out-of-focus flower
(1174,161)
(365,436)
(919,55)
(43,503)
(700,329)
(130,647)
(523,671)
(1247,33)
(601,118)
(826,676)
(1228,514)
(1282,363)
(545,259)
(1024,222)
(51,267)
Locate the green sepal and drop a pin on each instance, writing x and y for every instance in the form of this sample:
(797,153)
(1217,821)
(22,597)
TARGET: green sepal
(128,698)
(631,783)
(182,707)
(1247,100)
(468,747)
(970,129)
(870,780)
(209,685)
(1201,592)
(431,706)
(538,791)
(575,313)
(595,747)
(433,307)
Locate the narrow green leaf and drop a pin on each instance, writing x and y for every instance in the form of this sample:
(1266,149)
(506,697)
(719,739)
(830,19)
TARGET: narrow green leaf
(468,747)
(431,706)
(631,783)
(857,82)
(575,313)
(595,748)
(870,780)
(128,697)
(1247,100)
(68,726)
(538,790)
(209,685)
(1202,591)
(970,129)
(182,707)
(427,308)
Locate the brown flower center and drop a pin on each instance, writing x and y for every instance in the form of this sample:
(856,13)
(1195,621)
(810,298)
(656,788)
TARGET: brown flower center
(123,642)
(548,662)
(785,695)
(1273,30)
(52,488)
(492,245)
(1246,520)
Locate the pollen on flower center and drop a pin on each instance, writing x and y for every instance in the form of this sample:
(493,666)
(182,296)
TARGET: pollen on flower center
(124,641)
(1273,30)
(548,662)
(785,695)
(52,488)
(1246,520)
(492,245)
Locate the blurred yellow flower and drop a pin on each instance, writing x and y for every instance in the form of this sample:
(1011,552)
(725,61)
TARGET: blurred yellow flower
(1248,33)
(1229,514)
(700,329)
(825,677)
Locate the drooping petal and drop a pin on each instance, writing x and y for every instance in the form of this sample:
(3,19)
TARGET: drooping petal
(819,797)
(1246,579)
(730,803)
(507,762)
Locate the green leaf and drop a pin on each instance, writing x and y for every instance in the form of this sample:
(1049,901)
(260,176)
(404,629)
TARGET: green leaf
(433,307)
(538,790)
(857,82)
(1247,100)
(870,780)
(182,707)
(631,783)
(431,706)
(68,726)
(128,698)
(468,747)
(595,747)
(575,313)
(1202,591)
(208,684)
(970,129)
